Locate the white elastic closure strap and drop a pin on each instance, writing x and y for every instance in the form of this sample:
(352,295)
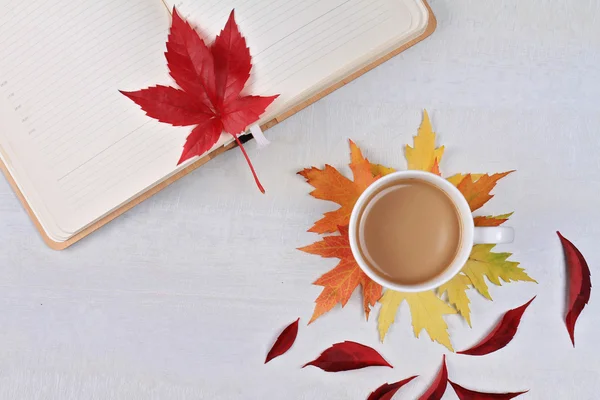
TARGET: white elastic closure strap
(259,136)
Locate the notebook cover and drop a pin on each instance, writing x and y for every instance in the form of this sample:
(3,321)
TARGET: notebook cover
(432,23)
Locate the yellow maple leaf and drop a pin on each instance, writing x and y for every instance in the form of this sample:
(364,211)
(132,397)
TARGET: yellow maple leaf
(380,170)
(424,154)
(330,185)
(483,263)
(456,288)
(426,309)
(458,178)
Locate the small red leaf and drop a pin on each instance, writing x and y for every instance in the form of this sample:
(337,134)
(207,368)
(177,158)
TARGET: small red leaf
(387,390)
(438,387)
(284,342)
(347,356)
(580,284)
(501,335)
(466,394)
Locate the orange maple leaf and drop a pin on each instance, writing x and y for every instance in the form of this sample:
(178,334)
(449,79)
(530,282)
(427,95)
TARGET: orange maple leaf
(330,185)
(435,169)
(341,281)
(496,220)
(477,191)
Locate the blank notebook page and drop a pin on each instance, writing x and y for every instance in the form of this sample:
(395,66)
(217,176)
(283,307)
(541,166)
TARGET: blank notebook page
(78,149)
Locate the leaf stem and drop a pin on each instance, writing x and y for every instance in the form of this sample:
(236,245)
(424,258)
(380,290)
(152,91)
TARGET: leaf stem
(260,187)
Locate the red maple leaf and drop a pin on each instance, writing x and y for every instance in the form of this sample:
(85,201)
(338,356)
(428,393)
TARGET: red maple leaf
(210,80)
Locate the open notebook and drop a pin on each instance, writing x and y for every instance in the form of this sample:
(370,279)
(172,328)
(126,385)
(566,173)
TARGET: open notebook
(79,153)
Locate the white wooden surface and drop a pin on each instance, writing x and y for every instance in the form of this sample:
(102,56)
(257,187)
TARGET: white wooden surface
(182,297)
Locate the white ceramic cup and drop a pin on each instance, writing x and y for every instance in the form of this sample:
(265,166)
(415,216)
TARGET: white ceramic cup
(470,234)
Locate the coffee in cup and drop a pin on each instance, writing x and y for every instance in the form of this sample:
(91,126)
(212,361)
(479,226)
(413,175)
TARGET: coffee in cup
(413,231)
(409,231)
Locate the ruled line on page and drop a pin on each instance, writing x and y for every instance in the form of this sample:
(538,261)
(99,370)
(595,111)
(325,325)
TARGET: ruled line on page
(292,69)
(67,103)
(106,181)
(109,162)
(327,15)
(101,152)
(296,45)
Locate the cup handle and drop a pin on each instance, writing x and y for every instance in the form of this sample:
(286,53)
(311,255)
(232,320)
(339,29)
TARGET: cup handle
(493,235)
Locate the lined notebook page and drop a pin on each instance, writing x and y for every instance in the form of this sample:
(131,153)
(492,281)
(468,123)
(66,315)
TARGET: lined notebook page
(298,45)
(78,148)
(83,146)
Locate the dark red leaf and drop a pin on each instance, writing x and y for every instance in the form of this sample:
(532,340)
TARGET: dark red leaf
(388,390)
(232,62)
(346,356)
(170,105)
(284,342)
(211,81)
(580,284)
(501,335)
(438,386)
(466,394)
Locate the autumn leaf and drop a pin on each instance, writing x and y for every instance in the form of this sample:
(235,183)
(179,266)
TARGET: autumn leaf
(467,394)
(492,220)
(424,154)
(284,341)
(361,168)
(210,81)
(477,192)
(330,185)
(427,311)
(436,168)
(458,178)
(380,170)
(482,262)
(438,387)
(340,282)
(580,284)
(494,266)
(456,288)
(387,390)
(502,334)
(348,356)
